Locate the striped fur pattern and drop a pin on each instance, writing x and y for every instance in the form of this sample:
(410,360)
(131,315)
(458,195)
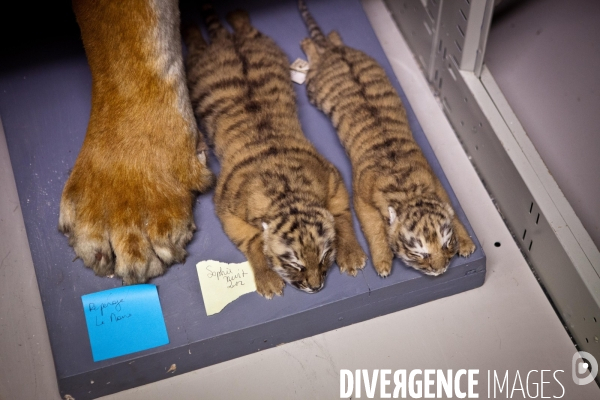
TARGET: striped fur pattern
(282,204)
(401,204)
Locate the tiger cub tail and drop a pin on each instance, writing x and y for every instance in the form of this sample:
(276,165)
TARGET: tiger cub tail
(213,24)
(316,34)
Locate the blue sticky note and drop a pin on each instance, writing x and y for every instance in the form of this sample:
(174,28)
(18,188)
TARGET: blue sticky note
(124,320)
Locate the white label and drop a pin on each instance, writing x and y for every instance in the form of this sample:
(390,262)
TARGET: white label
(298,71)
(298,77)
(300,65)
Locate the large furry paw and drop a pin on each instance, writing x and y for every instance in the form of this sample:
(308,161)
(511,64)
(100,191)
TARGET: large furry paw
(351,259)
(268,283)
(127,206)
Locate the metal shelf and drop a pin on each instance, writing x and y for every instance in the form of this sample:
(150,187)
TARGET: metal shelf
(534,208)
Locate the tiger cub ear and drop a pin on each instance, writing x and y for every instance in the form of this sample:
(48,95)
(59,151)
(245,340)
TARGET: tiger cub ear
(392,214)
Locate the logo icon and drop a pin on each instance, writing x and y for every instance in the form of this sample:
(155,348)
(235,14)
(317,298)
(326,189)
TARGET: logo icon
(584,363)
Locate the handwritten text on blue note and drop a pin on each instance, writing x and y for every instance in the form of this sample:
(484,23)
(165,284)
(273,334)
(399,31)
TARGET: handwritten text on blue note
(124,320)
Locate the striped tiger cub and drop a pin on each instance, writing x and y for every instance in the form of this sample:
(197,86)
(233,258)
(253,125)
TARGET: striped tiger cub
(402,207)
(279,201)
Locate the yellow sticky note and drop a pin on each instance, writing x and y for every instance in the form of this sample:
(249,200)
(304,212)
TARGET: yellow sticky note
(222,283)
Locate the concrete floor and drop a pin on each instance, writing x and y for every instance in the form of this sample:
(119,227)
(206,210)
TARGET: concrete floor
(506,325)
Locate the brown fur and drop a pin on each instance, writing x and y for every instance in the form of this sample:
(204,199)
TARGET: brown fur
(127,205)
(282,204)
(401,204)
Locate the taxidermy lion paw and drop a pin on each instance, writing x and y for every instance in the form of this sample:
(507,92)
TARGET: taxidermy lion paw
(127,205)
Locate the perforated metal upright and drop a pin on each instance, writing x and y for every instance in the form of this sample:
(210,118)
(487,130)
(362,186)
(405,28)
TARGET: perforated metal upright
(449,38)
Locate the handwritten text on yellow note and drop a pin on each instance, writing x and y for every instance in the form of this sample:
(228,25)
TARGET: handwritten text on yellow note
(222,283)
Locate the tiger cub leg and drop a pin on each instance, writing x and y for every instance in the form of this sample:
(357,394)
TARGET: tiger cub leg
(215,29)
(249,240)
(335,38)
(350,257)
(375,230)
(310,49)
(240,22)
(465,243)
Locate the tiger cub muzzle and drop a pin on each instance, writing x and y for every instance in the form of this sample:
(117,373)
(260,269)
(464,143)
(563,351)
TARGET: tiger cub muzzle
(422,236)
(301,250)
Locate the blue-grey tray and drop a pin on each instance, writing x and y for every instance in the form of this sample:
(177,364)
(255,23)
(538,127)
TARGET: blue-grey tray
(45,105)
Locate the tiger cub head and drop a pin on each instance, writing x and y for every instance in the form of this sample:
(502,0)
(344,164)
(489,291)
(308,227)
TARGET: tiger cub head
(421,235)
(300,248)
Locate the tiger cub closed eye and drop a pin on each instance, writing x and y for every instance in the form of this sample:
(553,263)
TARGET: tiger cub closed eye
(402,207)
(282,204)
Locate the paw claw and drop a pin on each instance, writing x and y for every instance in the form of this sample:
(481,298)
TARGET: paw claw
(351,261)
(269,284)
(383,268)
(267,296)
(384,274)
(466,248)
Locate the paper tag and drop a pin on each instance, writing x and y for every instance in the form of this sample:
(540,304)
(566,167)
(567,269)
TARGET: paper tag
(124,320)
(222,283)
(300,65)
(298,71)
(298,77)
